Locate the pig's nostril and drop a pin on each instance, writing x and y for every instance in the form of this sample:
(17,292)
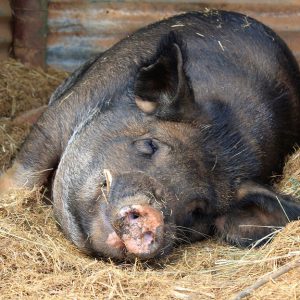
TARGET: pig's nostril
(133,216)
(148,237)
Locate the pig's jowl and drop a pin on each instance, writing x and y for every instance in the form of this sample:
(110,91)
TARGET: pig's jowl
(171,135)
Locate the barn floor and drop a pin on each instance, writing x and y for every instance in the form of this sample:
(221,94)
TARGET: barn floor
(37,262)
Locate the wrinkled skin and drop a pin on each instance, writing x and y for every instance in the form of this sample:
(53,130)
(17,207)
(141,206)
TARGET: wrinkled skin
(170,136)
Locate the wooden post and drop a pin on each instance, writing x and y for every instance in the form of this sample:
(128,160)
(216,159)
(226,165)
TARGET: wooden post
(30,31)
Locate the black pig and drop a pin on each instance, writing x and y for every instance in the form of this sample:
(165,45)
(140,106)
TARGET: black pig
(170,135)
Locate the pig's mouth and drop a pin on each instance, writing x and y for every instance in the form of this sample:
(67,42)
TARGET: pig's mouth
(139,231)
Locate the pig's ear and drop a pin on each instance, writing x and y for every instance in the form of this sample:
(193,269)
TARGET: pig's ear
(162,87)
(256,215)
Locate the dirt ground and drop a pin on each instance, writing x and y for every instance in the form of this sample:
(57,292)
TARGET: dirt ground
(37,262)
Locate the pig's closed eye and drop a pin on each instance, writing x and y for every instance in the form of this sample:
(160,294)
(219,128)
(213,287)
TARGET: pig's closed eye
(146,147)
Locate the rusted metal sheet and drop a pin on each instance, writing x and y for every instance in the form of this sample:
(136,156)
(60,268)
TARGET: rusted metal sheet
(5,29)
(30,30)
(80,28)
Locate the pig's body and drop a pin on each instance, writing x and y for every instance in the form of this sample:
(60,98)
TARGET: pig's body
(168,135)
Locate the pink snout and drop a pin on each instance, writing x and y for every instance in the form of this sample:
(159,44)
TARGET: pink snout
(140,229)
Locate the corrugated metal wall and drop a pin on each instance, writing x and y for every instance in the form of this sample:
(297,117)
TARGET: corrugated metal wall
(81,28)
(5,29)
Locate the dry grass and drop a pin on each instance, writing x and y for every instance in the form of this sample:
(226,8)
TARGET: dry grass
(21,89)
(37,262)
(291,180)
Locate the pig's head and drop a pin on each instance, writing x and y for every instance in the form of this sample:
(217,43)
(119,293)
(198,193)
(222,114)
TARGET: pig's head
(133,181)
(145,174)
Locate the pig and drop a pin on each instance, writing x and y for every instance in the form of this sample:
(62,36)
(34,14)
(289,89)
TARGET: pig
(172,135)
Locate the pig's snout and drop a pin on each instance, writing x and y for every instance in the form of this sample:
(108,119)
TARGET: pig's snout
(141,229)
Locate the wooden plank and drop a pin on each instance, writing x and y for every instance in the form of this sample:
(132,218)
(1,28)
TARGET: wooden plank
(30,34)
(5,10)
(5,29)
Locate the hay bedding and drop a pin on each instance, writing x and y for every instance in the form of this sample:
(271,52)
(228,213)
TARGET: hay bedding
(36,261)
